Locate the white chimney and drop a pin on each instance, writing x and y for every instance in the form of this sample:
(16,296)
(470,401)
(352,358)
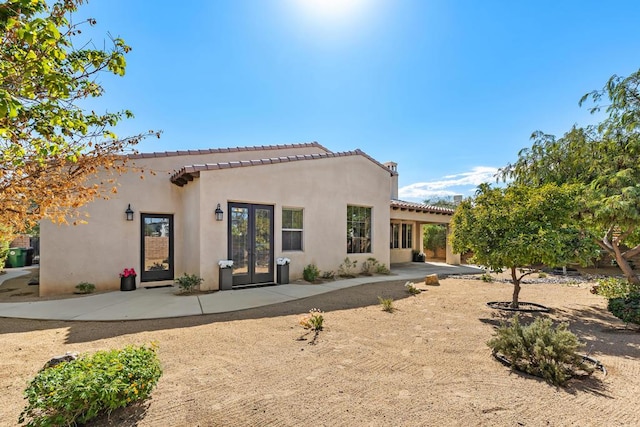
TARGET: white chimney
(393,168)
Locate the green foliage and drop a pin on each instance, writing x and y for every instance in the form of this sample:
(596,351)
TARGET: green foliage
(313,321)
(75,392)
(486,277)
(411,288)
(542,275)
(602,160)
(382,269)
(371,265)
(4,249)
(310,273)
(48,142)
(626,308)
(434,237)
(188,282)
(517,226)
(85,288)
(612,287)
(347,268)
(387,304)
(540,349)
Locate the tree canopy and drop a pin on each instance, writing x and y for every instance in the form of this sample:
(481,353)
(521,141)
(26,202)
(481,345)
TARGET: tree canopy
(604,162)
(50,146)
(519,228)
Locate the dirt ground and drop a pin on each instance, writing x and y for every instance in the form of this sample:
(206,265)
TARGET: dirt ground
(426,364)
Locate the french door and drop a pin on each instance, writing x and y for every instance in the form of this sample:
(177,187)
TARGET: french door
(156,247)
(251,243)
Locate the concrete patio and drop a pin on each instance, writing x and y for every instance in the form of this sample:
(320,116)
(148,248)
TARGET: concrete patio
(156,303)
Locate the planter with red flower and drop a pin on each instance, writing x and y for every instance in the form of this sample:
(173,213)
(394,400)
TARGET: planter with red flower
(128,280)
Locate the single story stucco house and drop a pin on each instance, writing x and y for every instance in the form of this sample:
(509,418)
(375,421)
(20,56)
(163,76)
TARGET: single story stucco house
(251,205)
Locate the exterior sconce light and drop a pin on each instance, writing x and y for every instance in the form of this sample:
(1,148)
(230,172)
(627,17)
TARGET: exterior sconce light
(219,213)
(129,213)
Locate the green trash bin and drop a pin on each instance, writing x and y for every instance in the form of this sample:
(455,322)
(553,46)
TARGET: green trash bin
(17,257)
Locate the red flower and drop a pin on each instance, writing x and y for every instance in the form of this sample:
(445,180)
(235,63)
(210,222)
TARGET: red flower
(128,272)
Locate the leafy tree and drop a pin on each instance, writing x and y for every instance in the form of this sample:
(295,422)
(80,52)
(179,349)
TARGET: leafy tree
(520,228)
(50,146)
(434,237)
(604,161)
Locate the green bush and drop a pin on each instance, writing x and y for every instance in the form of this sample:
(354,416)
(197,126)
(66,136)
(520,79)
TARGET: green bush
(78,391)
(85,288)
(626,308)
(310,273)
(540,349)
(188,282)
(486,277)
(613,287)
(411,288)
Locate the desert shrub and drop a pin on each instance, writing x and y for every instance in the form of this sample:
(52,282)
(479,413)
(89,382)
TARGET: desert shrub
(4,251)
(310,273)
(613,287)
(626,308)
(188,282)
(347,268)
(368,267)
(540,349)
(85,288)
(382,269)
(327,275)
(542,275)
(313,321)
(411,288)
(75,392)
(486,277)
(387,304)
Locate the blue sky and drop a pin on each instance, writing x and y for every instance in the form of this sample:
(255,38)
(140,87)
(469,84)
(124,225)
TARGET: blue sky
(448,89)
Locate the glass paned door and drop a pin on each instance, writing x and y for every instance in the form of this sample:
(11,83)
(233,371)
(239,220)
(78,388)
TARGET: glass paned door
(251,243)
(157,247)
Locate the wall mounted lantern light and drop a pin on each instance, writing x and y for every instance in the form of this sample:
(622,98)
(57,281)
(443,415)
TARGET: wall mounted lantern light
(129,213)
(219,213)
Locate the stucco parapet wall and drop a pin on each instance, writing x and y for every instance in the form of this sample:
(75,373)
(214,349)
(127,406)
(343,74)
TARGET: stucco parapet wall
(420,207)
(226,150)
(187,173)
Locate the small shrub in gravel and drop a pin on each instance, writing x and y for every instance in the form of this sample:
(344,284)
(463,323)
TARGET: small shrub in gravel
(74,392)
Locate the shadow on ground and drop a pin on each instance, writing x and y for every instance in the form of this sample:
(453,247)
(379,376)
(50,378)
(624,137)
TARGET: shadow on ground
(344,299)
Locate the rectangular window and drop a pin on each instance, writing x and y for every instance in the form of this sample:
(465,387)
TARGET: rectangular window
(407,236)
(292,229)
(395,236)
(358,230)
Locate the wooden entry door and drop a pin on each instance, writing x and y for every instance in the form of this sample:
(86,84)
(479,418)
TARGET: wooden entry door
(250,237)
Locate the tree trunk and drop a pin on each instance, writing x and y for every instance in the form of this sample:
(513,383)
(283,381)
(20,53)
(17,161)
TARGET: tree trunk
(516,288)
(623,264)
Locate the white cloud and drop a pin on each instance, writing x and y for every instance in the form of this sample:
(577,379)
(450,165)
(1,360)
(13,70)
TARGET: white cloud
(462,183)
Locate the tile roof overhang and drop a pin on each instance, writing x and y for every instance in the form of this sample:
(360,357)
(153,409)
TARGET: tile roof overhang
(188,173)
(226,150)
(419,207)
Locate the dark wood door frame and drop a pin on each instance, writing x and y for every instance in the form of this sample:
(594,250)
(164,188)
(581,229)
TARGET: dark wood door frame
(156,275)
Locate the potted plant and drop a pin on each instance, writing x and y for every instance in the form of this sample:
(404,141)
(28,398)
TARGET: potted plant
(128,279)
(225,278)
(282,271)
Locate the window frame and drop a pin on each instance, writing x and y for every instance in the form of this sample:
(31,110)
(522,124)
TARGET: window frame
(364,240)
(291,229)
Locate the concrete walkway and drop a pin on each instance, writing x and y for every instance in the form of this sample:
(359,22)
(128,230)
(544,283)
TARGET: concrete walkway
(147,303)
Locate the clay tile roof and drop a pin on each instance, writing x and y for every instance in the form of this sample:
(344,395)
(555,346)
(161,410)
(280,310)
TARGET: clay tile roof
(187,173)
(226,150)
(420,207)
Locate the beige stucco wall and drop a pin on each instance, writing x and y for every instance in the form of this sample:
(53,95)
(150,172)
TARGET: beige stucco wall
(323,188)
(98,251)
